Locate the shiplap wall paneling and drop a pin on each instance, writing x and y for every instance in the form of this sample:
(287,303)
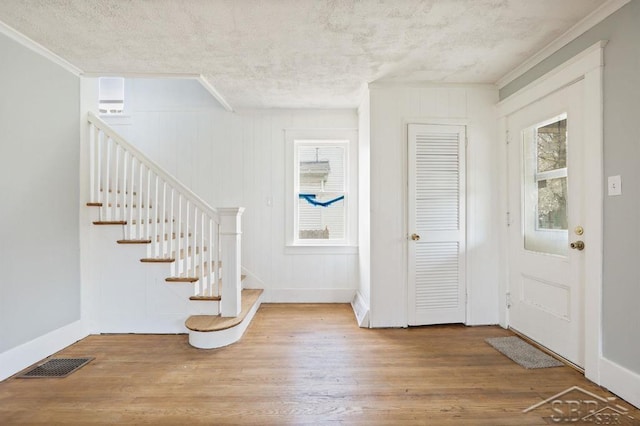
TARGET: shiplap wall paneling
(238,159)
(392,109)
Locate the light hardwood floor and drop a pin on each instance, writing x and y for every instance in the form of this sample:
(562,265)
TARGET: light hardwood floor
(296,364)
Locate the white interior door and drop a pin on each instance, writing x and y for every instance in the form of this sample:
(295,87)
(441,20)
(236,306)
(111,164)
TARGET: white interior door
(436,208)
(546,205)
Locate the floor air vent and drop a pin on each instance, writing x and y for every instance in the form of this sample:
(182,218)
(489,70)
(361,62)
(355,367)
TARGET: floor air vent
(55,367)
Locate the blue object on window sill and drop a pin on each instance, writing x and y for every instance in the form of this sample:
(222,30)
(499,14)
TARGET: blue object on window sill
(311,199)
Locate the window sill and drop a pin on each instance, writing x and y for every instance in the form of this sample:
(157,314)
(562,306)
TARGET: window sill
(320,249)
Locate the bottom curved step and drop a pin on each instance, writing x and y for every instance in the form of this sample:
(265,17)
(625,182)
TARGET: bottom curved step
(214,331)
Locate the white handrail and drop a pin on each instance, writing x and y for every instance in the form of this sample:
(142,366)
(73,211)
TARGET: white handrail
(158,210)
(104,127)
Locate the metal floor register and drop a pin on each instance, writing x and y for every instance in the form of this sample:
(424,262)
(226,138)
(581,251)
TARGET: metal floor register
(55,367)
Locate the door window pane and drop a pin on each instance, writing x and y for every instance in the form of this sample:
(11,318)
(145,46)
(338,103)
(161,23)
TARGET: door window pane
(545,187)
(552,146)
(552,203)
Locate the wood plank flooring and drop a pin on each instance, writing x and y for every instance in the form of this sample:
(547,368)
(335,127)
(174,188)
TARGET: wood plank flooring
(296,365)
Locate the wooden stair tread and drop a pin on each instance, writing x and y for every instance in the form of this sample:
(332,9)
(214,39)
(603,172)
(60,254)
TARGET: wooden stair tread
(157,260)
(205,323)
(214,298)
(134,241)
(110,222)
(181,279)
(206,298)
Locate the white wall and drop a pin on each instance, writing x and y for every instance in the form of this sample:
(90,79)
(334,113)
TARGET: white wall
(620,362)
(392,108)
(364,192)
(39,244)
(128,296)
(238,159)
(300,273)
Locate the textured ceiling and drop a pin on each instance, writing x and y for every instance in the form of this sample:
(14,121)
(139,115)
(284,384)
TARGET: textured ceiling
(297,53)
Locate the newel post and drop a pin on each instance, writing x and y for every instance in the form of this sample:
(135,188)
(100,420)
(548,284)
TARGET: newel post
(231,257)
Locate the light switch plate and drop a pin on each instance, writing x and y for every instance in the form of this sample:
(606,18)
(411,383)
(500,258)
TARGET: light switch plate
(614,184)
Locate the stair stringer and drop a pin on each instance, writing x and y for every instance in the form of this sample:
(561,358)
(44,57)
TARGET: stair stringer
(128,296)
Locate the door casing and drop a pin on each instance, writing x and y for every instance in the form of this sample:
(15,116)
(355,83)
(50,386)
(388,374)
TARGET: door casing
(587,65)
(437,315)
(546,289)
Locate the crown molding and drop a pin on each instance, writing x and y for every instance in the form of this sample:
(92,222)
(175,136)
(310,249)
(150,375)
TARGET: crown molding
(25,41)
(590,21)
(198,77)
(214,92)
(399,84)
(158,75)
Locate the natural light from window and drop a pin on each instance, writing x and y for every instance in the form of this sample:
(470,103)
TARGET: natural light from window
(111,95)
(320,190)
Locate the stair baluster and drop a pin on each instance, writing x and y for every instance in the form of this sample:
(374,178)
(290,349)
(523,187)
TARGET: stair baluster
(132,190)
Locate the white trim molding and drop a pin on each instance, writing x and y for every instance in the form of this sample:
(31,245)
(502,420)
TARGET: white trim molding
(590,21)
(586,66)
(621,381)
(221,338)
(25,41)
(214,92)
(361,310)
(151,75)
(308,295)
(348,138)
(17,359)
(392,84)
(186,76)
(556,79)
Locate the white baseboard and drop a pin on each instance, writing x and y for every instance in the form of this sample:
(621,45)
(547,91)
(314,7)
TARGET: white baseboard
(17,359)
(486,320)
(311,295)
(361,309)
(621,381)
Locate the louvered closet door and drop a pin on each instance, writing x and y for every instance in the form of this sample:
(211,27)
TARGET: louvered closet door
(437,293)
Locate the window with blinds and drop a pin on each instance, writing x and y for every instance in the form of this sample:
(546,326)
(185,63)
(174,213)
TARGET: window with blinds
(320,190)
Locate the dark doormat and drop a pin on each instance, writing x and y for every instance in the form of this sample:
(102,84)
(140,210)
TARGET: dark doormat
(523,353)
(55,367)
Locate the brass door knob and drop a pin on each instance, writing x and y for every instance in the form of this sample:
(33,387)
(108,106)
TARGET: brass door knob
(415,237)
(577,245)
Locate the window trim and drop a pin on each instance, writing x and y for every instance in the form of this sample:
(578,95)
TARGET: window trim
(300,137)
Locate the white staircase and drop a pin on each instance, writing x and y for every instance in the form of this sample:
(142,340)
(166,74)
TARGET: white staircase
(178,229)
